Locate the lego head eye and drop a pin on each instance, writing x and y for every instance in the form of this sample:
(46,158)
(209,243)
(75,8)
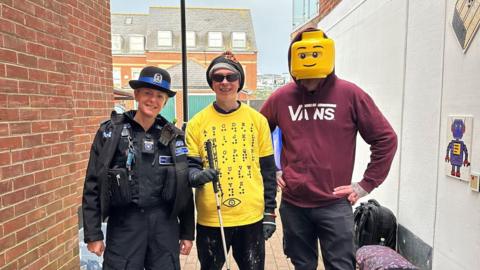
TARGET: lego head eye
(302,55)
(315,54)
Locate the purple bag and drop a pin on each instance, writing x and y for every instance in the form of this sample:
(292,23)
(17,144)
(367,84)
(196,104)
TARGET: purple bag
(375,257)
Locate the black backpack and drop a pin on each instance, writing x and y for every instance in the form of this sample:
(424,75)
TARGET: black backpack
(374,225)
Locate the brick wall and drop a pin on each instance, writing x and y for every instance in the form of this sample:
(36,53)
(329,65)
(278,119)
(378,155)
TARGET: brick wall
(55,87)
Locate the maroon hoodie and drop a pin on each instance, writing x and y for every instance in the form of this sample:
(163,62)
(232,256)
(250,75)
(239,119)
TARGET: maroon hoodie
(319,132)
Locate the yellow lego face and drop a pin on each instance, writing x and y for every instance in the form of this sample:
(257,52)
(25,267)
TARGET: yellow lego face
(312,57)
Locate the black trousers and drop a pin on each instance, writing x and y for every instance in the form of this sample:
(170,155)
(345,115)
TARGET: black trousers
(140,239)
(247,243)
(332,225)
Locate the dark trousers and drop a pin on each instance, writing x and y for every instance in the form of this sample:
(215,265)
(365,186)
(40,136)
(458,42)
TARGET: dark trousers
(140,239)
(332,225)
(246,241)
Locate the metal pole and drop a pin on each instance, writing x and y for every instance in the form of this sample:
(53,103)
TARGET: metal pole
(184,62)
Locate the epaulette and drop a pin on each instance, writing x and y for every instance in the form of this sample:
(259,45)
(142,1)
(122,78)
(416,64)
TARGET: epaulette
(117,118)
(168,133)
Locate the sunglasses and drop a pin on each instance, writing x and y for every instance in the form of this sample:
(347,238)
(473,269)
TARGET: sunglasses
(230,77)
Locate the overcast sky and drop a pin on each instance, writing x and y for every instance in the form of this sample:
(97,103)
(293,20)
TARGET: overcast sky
(272,21)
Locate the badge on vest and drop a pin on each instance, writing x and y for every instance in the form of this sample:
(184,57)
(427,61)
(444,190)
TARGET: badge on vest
(165,160)
(107,134)
(181,151)
(179,143)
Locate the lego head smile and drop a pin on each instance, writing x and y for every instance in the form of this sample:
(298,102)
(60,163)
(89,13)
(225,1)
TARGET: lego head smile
(313,56)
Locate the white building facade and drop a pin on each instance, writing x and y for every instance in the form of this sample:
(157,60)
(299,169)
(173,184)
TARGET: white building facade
(406,55)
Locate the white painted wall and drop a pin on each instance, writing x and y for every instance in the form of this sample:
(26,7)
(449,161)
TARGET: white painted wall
(404,53)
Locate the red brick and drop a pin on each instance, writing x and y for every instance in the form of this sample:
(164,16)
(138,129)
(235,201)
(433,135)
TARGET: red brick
(28,114)
(56,78)
(25,207)
(28,258)
(8,56)
(11,171)
(23,181)
(7,242)
(42,176)
(14,43)
(50,138)
(6,214)
(51,162)
(25,6)
(36,49)
(54,54)
(27,232)
(4,129)
(25,33)
(42,126)
(14,224)
(13,14)
(20,128)
(36,215)
(47,64)
(35,190)
(15,252)
(37,75)
(5,159)
(15,72)
(27,60)
(27,87)
(5,186)
(43,151)
(32,140)
(14,101)
(7,26)
(22,155)
(39,101)
(32,166)
(35,23)
(39,264)
(10,143)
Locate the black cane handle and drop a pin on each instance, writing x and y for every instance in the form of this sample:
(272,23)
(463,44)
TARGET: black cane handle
(208,145)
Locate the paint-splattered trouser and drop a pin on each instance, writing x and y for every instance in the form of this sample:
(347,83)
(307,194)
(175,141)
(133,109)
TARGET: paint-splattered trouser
(246,242)
(332,225)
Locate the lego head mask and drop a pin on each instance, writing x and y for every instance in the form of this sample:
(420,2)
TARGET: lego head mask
(312,57)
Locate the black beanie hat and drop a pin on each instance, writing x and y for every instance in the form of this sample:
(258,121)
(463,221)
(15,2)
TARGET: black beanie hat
(228,58)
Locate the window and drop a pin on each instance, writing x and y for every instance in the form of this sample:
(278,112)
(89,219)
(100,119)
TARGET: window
(117,77)
(164,38)
(304,10)
(239,40)
(190,39)
(116,43)
(128,20)
(135,73)
(215,39)
(136,43)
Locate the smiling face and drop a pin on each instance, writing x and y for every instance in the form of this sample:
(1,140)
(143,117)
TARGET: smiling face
(312,57)
(225,90)
(150,101)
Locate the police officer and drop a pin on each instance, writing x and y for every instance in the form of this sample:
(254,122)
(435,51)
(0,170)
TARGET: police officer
(137,176)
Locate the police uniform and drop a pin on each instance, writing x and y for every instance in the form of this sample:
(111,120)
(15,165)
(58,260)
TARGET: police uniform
(138,179)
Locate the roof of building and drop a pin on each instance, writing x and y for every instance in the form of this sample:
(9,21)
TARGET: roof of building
(199,20)
(196,76)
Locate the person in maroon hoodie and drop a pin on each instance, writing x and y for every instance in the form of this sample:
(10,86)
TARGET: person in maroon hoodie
(320,115)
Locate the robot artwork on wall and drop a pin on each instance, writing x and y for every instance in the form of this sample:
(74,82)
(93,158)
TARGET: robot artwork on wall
(459,139)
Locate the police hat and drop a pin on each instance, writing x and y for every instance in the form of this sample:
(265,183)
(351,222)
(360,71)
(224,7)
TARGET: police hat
(154,78)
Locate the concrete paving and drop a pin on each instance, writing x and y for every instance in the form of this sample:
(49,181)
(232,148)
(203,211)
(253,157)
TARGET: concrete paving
(274,257)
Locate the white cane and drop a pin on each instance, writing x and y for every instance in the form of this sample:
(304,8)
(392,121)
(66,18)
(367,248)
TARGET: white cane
(215,182)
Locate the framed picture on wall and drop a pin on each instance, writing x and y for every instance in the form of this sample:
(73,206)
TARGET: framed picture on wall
(466,21)
(458,146)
